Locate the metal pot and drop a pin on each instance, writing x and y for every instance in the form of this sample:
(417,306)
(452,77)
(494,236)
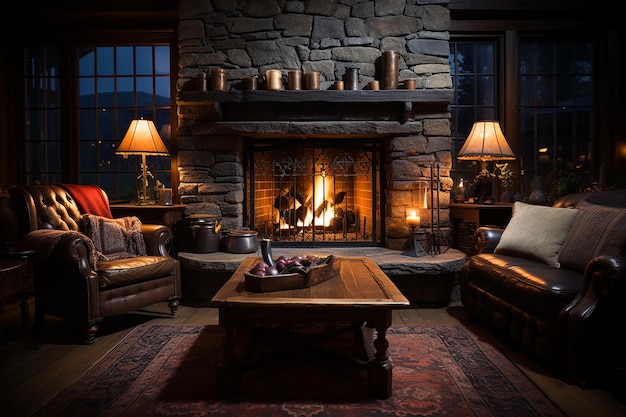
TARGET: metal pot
(242,241)
(205,234)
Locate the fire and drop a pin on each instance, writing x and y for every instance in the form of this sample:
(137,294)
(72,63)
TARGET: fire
(322,205)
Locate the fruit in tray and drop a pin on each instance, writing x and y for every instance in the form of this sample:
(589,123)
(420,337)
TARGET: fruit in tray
(285,266)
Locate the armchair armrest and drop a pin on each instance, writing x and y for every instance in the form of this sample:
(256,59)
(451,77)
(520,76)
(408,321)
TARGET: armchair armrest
(157,238)
(69,246)
(44,242)
(593,321)
(486,239)
(604,282)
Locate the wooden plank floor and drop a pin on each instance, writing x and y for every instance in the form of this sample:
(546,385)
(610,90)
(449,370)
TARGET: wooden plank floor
(31,377)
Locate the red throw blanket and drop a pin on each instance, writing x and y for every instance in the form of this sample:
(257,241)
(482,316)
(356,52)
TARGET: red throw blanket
(89,198)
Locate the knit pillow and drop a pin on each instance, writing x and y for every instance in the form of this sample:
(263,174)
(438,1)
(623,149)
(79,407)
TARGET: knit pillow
(114,238)
(597,230)
(536,232)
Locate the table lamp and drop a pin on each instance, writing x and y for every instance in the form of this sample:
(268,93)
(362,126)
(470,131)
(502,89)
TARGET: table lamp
(486,142)
(142,138)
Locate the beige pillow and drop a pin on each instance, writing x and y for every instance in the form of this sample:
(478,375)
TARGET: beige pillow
(536,232)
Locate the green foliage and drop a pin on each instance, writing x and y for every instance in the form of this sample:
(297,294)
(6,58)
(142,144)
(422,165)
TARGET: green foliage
(505,175)
(562,183)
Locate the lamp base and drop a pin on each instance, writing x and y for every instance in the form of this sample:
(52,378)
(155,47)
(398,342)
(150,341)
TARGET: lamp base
(145,202)
(145,184)
(483,188)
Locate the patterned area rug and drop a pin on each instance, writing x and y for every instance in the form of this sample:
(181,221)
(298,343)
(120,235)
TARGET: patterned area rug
(170,371)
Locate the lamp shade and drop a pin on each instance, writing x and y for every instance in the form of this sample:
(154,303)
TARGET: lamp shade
(142,138)
(486,142)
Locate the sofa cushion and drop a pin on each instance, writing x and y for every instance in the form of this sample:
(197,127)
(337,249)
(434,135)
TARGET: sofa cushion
(534,287)
(114,238)
(536,232)
(596,230)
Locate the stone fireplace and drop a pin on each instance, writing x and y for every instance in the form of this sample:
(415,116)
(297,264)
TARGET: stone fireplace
(254,157)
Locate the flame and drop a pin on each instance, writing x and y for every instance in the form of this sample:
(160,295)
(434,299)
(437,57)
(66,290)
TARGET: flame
(323,197)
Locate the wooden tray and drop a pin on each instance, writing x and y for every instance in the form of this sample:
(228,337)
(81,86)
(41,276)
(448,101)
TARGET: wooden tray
(314,275)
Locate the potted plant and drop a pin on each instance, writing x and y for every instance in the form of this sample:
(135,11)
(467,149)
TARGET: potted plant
(507,180)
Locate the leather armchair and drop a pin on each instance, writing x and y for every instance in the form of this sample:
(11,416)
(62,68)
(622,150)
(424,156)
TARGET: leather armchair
(69,280)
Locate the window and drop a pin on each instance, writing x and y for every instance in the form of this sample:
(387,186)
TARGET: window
(43,115)
(474,80)
(112,85)
(555,113)
(553,105)
(117,85)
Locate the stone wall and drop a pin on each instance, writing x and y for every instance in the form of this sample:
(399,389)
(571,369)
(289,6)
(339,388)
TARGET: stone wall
(249,37)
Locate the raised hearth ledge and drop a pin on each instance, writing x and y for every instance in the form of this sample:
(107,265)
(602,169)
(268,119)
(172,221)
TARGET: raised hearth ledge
(391,262)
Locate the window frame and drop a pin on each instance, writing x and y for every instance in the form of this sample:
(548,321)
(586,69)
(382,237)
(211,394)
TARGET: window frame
(70,164)
(507,99)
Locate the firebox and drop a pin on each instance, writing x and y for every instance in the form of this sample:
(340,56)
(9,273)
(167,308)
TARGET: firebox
(316,191)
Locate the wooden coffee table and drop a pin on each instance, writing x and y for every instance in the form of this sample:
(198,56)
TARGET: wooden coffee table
(359,293)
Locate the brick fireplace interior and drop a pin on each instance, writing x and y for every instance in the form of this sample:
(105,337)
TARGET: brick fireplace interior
(315,190)
(253,157)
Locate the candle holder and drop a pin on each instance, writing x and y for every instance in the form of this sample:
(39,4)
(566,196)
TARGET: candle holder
(419,238)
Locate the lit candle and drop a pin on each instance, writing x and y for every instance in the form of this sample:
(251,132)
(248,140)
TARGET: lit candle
(412,219)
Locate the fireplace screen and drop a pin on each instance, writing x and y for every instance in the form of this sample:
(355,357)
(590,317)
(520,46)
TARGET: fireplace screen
(315,191)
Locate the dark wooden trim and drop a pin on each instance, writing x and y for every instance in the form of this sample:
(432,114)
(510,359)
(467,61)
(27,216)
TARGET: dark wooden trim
(303,96)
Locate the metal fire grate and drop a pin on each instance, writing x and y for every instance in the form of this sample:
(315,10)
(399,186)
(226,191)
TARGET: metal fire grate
(316,191)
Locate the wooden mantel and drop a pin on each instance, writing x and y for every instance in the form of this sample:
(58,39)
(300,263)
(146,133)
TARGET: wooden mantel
(434,96)
(318,105)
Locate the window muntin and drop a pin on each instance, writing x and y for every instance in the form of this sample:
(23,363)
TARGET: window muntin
(554,106)
(43,123)
(116,85)
(474,80)
(555,112)
(113,85)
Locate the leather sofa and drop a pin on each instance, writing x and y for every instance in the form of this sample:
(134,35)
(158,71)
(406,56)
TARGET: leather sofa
(571,316)
(84,279)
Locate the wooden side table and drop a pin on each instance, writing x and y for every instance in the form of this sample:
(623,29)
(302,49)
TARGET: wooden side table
(497,215)
(151,214)
(18,262)
(154,214)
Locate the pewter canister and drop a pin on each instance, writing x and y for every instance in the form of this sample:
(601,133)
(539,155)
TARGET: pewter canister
(219,79)
(351,79)
(201,81)
(274,79)
(312,80)
(294,80)
(390,70)
(251,82)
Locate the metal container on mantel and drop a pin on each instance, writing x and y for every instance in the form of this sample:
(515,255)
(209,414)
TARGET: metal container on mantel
(390,70)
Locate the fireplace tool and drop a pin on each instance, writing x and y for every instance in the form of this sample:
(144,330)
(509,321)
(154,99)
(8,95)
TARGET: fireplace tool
(435,238)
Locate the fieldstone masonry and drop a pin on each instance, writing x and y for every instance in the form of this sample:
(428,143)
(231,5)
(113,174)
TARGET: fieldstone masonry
(249,37)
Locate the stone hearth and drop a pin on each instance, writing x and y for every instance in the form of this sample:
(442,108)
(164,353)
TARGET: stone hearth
(427,280)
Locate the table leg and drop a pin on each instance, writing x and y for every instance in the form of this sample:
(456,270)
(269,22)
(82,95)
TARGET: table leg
(379,369)
(228,369)
(24,308)
(25,313)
